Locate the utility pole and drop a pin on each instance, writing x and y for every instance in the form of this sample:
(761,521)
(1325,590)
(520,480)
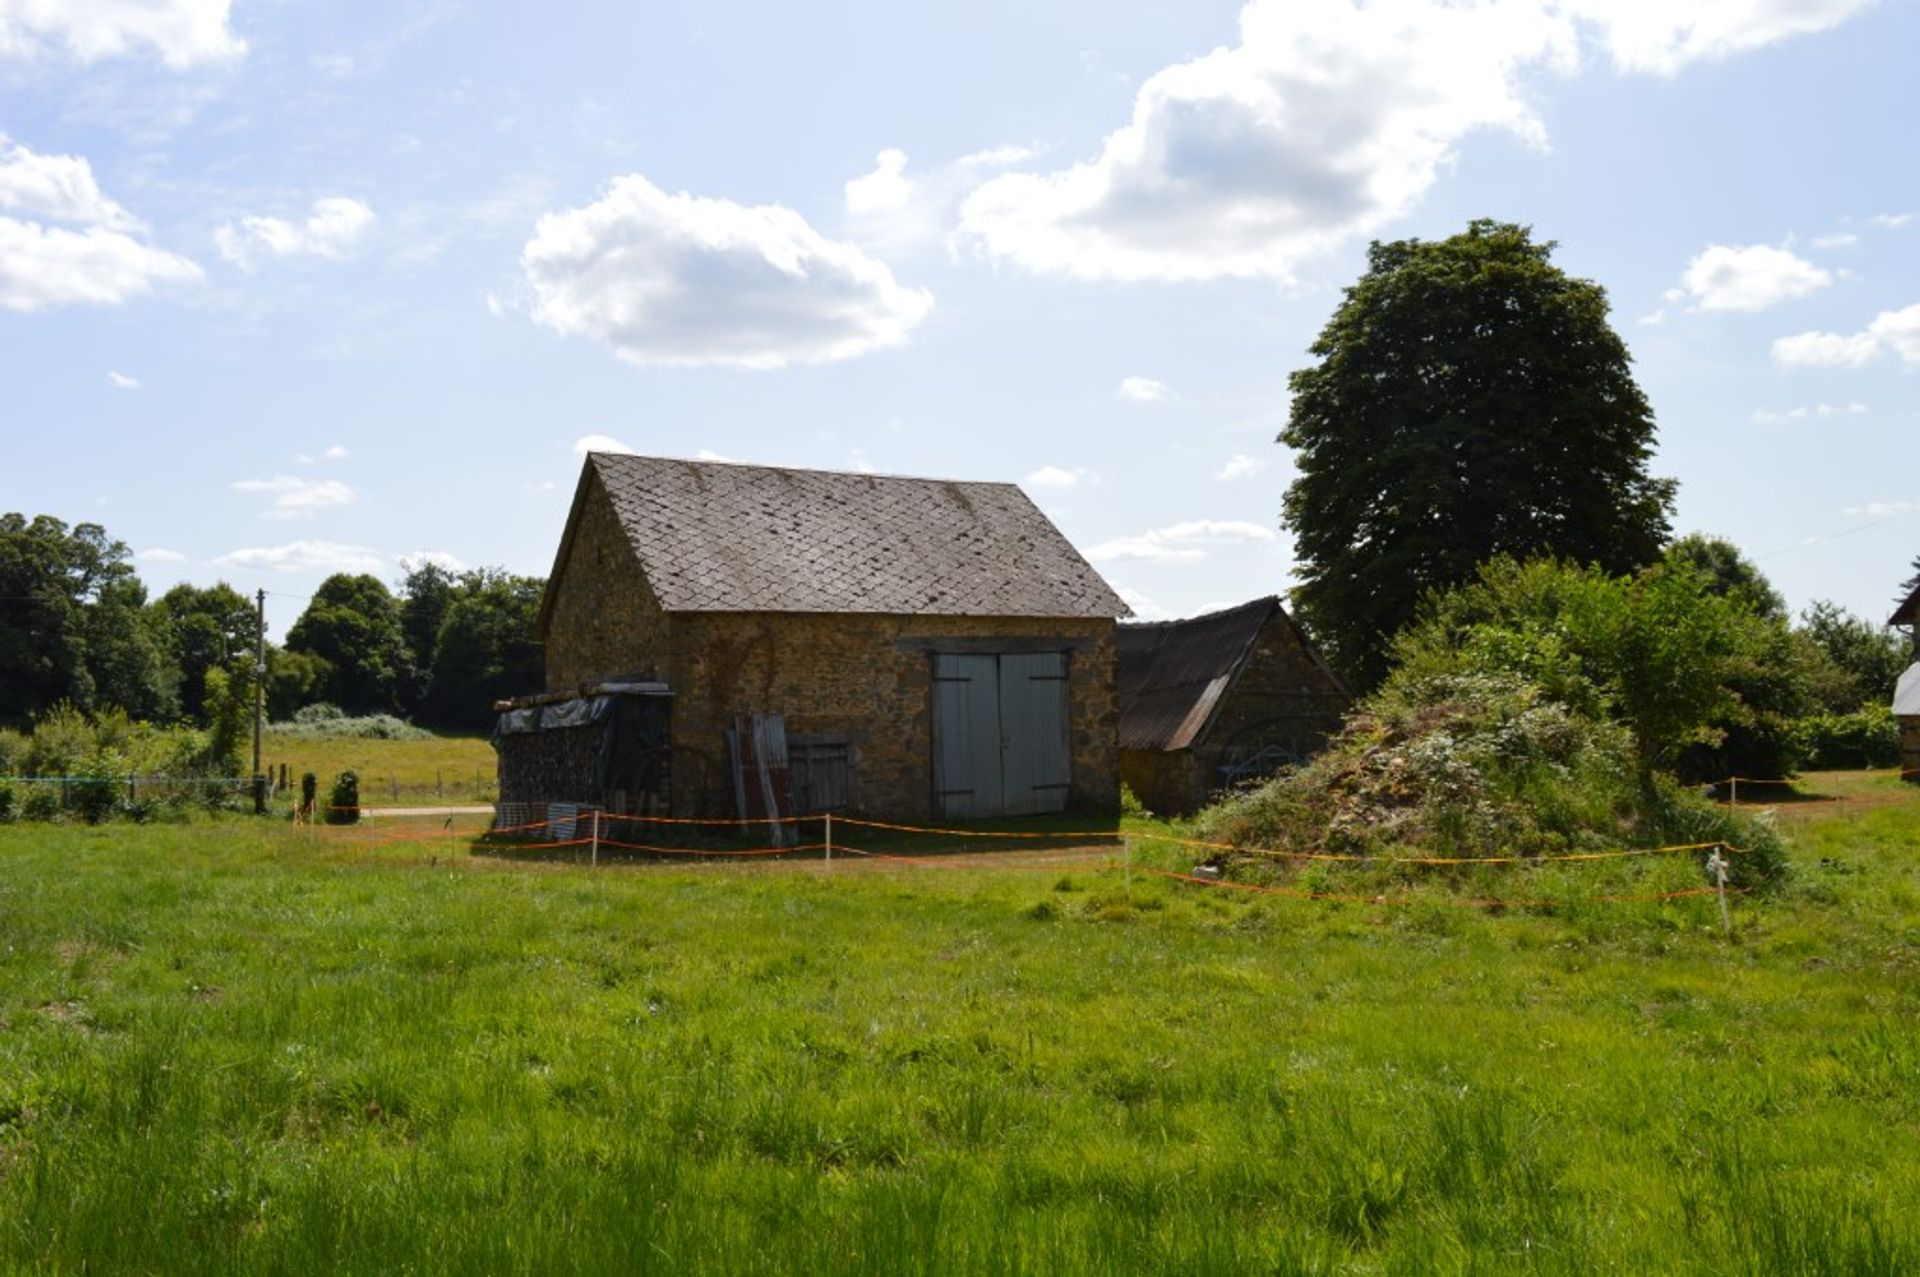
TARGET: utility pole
(259,698)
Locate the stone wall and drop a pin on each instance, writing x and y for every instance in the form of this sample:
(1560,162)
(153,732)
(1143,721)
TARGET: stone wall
(605,619)
(1166,781)
(1910,747)
(861,677)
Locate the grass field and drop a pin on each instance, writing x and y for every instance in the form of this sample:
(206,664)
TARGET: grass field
(451,769)
(226,1047)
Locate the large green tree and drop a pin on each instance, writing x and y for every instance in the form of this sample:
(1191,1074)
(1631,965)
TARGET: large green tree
(73,623)
(205,628)
(1469,400)
(485,649)
(352,624)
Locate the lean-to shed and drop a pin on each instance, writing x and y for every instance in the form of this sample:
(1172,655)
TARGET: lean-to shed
(929,648)
(1215,700)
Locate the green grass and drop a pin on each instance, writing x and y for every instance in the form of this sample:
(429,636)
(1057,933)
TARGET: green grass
(223,1047)
(449,769)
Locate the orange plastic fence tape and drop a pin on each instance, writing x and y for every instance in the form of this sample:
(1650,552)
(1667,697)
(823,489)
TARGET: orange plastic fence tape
(977,833)
(1468,902)
(1351,858)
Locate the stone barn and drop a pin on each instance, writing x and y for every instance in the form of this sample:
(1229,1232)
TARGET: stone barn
(898,648)
(1209,702)
(1906,697)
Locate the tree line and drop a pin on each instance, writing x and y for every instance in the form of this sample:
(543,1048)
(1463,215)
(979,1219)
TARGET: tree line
(78,627)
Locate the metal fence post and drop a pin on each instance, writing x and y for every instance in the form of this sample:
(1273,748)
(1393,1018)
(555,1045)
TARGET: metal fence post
(1126,861)
(595,860)
(829,840)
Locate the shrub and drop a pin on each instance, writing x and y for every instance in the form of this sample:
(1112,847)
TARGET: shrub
(98,788)
(343,806)
(42,802)
(366,727)
(1867,737)
(7,801)
(319,712)
(13,751)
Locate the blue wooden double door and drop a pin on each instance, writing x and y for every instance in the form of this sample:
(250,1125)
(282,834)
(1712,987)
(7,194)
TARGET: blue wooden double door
(1000,733)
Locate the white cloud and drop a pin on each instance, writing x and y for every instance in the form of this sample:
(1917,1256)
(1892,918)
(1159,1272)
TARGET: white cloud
(60,188)
(1241,466)
(1772,417)
(1900,330)
(708,454)
(1895,330)
(1142,389)
(1890,221)
(886,188)
(1882,509)
(1825,350)
(413,559)
(1839,239)
(120,381)
(181,32)
(159,555)
(1179,542)
(295,498)
(996,157)
(336,226)
(1752,278)
(304,556)
(1663,36)
(1054,477)
(336,452)
(1328,120)
(684,280)
(43,266)
(100,263)
(600,443)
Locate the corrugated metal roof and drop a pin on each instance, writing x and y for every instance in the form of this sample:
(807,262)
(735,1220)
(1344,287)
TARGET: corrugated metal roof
(721,537)
(1172,674)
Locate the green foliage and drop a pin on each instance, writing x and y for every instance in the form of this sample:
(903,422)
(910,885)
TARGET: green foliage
(230,707)
(74,624)
(8,802)
(1867,737)
(352,625)
(1869,658)
(340,727)
(1469,401)
(1728,572)
(1659,651)
(485,649)
(343,800)
(210,628)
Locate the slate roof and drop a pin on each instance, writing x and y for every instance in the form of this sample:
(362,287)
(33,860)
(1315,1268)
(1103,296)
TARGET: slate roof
(723,537)
(1172,675)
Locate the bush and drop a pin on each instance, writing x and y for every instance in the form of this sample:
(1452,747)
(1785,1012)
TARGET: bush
(343,806)
(1868,737)
(320,712)
(98,788)
(336,727)
(13,751)
(42,802)
(7,801)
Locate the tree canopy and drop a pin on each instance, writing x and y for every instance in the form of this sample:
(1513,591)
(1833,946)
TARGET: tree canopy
(1470,400)
(352,624)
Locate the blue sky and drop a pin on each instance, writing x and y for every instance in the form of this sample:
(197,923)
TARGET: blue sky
(294,287)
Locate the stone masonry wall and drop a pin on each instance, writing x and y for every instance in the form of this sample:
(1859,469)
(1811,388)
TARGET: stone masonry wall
(605,619)
(846,674)
(1164,780)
